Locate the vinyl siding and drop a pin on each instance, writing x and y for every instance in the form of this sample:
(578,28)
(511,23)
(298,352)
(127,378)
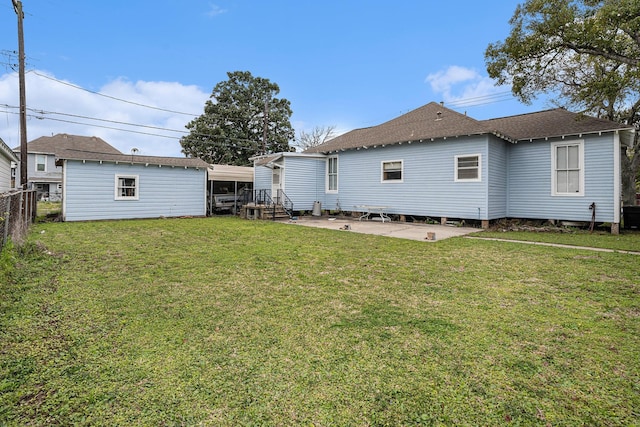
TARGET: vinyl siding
(163,191)
(497,178)
(52,173)
(304,181)
(262,178)
(530,182)
(428,187)
(5,174)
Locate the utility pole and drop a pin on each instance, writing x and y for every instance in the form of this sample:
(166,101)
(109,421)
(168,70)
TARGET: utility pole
(265,126)
(17,6)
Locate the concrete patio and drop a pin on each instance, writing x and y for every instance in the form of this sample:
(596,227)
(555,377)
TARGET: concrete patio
(401,230)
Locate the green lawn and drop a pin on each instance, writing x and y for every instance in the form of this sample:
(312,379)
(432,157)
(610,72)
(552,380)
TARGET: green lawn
(228,322)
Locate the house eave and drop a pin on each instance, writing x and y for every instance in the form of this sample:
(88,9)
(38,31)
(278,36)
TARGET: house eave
(626,135)
(137,160)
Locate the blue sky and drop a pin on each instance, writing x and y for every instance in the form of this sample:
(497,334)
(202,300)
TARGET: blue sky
(348,64)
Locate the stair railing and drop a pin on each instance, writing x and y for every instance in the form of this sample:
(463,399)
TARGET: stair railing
(264,197)
(285,202)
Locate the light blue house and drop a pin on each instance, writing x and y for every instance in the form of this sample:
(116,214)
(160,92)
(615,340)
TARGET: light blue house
(435,162)
(99,186)
(8,162)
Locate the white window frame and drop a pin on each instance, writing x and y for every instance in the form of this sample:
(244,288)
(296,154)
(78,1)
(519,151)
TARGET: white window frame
(43,163)
(329,174)
(555,170)
(118,196)
(391,181)
(456,168)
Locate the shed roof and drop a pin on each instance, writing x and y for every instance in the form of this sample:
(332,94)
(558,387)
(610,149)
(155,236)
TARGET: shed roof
(230,173)
(62,141)
(132,159)
(434,121)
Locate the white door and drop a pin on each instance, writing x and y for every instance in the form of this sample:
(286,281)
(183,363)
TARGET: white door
(276,183)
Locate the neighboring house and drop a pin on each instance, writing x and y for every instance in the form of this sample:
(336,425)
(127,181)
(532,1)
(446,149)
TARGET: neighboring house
(42,173)
(8,162)
(99,186)
(435,162)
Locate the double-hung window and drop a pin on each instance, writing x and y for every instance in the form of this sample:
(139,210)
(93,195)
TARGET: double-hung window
(468,168)
(568,168)
(127,187)
(41,162)
(332,174)
(392,171)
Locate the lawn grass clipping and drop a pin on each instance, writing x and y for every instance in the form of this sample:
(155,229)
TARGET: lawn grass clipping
(221,321)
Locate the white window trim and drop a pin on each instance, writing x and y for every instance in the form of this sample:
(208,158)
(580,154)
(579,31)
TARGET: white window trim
(44,163)
(117,195)
(327,189)
(392,181)
(455,168)
(554,145)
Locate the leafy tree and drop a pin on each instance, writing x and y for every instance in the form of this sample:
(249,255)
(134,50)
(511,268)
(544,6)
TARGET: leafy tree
(585,51)
(319,135)
(242,119)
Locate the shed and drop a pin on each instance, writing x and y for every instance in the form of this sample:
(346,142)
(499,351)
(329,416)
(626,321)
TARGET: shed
(99,186)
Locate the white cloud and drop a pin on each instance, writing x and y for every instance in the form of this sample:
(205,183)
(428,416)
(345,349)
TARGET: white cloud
(463,85)
(75,108)
(215,10)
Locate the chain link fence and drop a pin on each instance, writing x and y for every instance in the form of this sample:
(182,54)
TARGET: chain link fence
(17,212)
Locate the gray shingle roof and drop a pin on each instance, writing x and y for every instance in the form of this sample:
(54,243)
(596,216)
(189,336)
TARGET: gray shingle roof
(434,121)
(429,121)
(550,123)
(62,141)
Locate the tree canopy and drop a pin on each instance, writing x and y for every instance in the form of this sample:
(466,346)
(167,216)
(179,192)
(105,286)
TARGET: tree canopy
(242,119)
(585,51)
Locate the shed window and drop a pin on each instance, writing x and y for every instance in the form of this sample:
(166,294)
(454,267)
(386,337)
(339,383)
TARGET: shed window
(332,174)
(392,171)
(468,168)
(41,162)
(568,173)
(127,187)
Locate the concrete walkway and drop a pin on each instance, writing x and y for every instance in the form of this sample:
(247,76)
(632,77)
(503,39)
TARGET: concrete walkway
(402,230)
(557,245)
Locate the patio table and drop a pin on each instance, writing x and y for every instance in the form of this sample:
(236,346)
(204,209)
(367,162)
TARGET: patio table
(369,210)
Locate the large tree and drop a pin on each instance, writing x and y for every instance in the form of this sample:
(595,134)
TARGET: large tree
(243,118)
(587,52)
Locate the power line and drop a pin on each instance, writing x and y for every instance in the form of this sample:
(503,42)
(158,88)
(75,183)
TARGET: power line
(33,116)
(481,100)
(43,112)
(112,97)
(228,141)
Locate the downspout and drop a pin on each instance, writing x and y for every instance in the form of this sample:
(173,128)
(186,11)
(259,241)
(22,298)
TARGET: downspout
(64,190)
